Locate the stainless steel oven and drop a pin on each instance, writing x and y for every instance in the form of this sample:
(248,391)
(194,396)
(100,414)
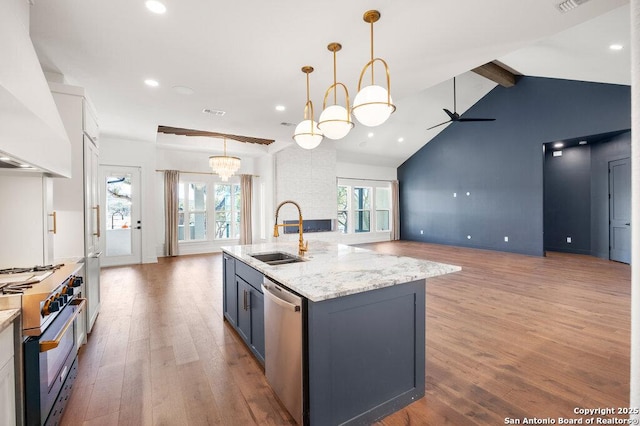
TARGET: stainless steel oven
(51,367)
(50,303)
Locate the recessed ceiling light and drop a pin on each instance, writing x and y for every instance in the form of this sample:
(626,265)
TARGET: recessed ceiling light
(370,134)
(400,140)
(558,145)
(151,82)
(183,90)
(582,143)
(155,6)
(280,108)
(616,46)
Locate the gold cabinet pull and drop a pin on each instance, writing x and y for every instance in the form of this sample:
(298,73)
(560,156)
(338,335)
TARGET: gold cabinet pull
(55,223)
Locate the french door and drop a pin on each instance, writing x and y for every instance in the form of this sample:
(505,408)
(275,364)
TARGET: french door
(121,224)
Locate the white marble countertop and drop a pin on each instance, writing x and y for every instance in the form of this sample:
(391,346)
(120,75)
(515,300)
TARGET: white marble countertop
(335,270)
(7,316)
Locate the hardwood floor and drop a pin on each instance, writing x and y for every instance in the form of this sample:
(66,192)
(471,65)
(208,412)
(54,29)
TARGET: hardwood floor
(510,336)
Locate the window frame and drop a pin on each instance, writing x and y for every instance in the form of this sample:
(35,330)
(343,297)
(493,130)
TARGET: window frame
(210,182)
(372,185)
(187,212)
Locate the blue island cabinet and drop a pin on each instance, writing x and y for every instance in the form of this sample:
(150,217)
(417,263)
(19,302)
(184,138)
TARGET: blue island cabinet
(366,355)
(244,303)
(363,354)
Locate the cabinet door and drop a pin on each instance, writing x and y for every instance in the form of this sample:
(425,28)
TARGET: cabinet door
(244,309)
(230,289)
(7,393)
(257,323)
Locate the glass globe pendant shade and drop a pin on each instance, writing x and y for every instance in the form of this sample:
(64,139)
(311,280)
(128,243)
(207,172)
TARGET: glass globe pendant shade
(373,105)
(307,134)
(334,122)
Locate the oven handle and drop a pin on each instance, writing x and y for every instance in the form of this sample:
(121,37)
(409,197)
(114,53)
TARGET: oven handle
(47,345)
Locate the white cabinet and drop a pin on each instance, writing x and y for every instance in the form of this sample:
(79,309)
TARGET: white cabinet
(7,378)
(26,219)
(77,200)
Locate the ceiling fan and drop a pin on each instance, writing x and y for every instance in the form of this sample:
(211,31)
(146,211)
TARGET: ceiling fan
(454,116)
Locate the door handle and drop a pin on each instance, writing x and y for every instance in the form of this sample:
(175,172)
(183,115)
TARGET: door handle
(47,345)
(628,224)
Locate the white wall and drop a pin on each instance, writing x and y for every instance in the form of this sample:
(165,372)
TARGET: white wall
(123,152)
(365,171)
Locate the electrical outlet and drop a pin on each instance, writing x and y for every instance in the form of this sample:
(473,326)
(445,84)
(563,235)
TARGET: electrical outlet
(506,239)
(421,232)
(569,240)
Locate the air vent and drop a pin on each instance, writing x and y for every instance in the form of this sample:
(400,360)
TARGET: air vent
(568,5)
(216,112)
(284,123)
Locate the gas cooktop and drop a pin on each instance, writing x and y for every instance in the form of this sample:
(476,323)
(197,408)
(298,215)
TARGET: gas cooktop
(37,268)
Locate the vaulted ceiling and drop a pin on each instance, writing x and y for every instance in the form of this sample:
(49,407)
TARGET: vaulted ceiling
(244,58)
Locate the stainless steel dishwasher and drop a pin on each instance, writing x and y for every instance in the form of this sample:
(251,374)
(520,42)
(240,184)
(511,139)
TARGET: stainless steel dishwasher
(283,313)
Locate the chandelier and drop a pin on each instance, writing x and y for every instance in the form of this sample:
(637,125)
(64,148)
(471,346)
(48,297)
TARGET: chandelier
(224,165)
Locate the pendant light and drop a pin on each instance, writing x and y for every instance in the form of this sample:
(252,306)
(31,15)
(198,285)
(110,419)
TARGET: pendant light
(372,105)
(224,165)
(335,120)
(307,133)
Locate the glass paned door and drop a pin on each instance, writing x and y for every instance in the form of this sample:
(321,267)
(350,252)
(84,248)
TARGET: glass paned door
(121,223)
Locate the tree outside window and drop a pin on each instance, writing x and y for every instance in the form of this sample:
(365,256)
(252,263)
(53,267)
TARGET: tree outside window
(362,209)
(228,202)
(343,208)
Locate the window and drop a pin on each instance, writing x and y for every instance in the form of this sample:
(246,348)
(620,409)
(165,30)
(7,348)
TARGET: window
(383,208)
(343,208)
(202,218)
(364,206)
(227,210)
(362,209)
(192,211)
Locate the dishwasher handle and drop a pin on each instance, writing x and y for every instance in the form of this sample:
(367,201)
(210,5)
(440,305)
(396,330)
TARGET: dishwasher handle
(268,291)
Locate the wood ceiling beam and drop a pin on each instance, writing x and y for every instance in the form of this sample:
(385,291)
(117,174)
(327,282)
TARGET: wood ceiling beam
(498,72)
(190,132)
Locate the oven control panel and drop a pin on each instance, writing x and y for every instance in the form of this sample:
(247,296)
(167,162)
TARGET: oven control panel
(62,296)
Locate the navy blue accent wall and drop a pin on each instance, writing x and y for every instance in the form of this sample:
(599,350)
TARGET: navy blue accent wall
(500,163)
(567,200)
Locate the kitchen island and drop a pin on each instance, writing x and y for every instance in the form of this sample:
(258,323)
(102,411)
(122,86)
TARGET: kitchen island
(363,347)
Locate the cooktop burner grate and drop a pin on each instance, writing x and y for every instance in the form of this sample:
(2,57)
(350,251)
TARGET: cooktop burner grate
(37,268)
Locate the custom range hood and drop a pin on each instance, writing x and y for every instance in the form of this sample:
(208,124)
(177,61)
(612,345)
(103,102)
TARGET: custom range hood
(31,130)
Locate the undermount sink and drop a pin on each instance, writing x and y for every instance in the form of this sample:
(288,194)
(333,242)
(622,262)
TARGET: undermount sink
(276,258)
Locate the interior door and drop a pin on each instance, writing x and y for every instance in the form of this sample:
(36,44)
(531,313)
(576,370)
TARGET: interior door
(121,223)
(620,210)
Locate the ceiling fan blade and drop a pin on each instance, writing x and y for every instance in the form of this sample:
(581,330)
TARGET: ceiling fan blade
(476,119)
(438,125)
